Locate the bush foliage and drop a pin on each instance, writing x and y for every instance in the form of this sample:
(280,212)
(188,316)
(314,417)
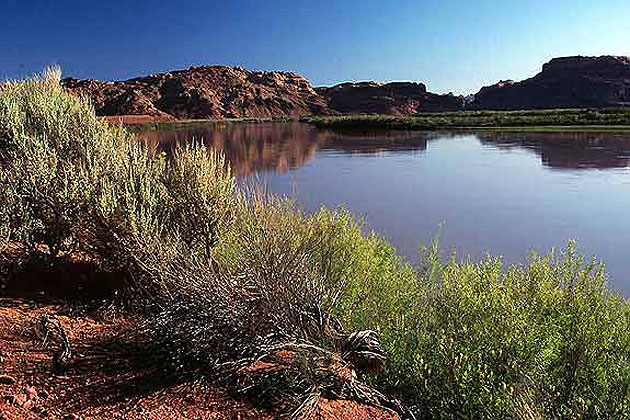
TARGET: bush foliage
(222,276)
(544,340)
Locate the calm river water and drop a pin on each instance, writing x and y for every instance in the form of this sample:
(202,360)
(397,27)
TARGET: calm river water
(505,193)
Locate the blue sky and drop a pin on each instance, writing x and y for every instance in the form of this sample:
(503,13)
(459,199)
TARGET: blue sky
(451,45)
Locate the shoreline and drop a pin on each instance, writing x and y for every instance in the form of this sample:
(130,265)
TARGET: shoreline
(511,121)
(531,120)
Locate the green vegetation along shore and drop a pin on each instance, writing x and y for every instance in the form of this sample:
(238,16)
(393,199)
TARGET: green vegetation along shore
(538,120)
(565,120)
(217,278)
(178,124)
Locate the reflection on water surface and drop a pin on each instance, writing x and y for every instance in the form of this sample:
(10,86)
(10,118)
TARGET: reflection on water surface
(253,148)
(497,192)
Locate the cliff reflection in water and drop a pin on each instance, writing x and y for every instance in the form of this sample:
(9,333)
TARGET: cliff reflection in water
(498,192)
(567,150)
(279,147)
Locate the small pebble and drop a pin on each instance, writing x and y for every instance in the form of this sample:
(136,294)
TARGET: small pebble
(7,380)
(70,417)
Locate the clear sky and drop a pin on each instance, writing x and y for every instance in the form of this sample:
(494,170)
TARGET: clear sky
(451,45)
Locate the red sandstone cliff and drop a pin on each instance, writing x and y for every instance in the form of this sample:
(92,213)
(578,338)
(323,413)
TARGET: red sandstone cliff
(205,92)
(396,98)
(232,92)
(568,82)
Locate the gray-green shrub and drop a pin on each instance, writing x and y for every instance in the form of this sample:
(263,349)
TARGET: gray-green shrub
(75,183)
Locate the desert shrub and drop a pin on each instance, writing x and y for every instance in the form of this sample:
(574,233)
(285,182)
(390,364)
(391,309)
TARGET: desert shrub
(280,279)
(314,271)
(56,154)
(545,340)
(75,183)
(202,197)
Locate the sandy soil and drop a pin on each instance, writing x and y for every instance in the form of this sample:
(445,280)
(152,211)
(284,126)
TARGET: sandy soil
(108,377)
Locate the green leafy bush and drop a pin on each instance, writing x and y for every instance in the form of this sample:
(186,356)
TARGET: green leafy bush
(545,340)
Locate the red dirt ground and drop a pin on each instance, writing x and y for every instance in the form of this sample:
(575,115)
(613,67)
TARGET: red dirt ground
(105,381)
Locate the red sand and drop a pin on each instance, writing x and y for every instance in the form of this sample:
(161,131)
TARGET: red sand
(104,382)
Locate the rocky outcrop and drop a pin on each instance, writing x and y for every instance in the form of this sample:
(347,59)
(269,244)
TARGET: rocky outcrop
(233,92)
(205,92)
(218,92)
(569,82)
(396,98)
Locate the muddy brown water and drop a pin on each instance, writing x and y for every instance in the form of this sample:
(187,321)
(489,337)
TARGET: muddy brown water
(504,193)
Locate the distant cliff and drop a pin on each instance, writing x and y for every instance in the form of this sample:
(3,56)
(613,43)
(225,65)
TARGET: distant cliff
(569,82)
(205,92)
(396,98)
(232,92)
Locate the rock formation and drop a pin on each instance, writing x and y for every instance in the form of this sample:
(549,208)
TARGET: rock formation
(205,92)
(396,98)
(232,92)
(569,82)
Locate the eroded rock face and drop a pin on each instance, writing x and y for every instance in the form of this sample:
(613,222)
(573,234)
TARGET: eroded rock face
(568,82)
(233,92)
(395,98)
(205,92)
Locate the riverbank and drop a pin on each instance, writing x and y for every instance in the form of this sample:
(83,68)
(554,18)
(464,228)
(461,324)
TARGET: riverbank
(142,125)
(612,120)
(534,120)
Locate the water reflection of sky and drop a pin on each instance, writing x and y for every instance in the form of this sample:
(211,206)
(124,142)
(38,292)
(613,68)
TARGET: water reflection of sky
(496,192)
